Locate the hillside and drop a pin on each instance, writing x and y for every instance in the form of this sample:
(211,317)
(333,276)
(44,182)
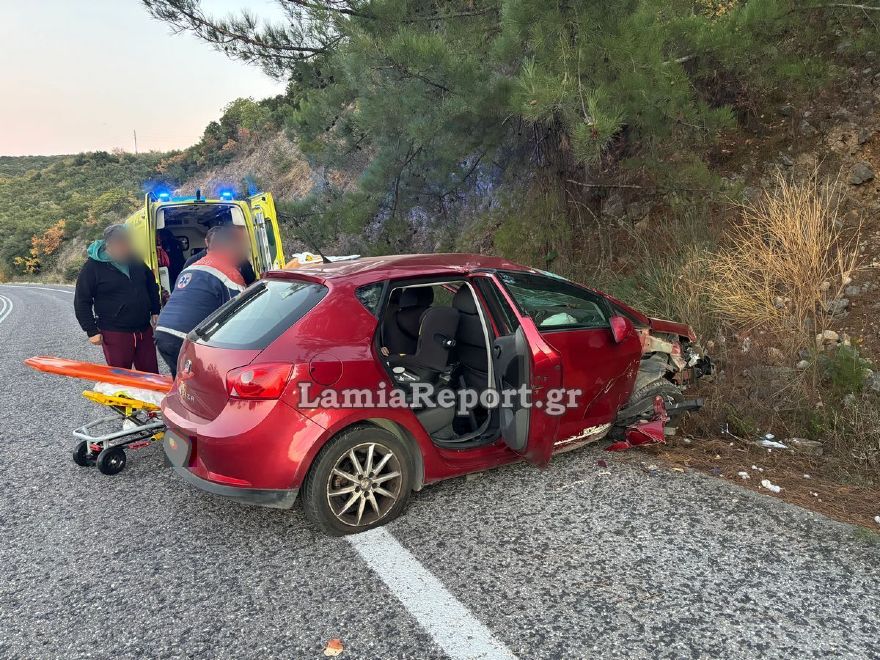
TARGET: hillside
(66,196)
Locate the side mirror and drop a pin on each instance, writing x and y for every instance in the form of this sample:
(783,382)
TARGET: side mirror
(621,328)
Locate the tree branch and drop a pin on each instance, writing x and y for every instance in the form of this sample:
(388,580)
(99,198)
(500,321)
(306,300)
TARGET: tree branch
(443,17)
(317,6)
(182,17)
(407,73)
(634,186)
(844,5)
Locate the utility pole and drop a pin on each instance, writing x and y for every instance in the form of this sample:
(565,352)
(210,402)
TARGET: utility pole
(135,142)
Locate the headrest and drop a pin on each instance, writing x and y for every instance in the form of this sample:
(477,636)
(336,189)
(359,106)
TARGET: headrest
(420,296)
(464,300)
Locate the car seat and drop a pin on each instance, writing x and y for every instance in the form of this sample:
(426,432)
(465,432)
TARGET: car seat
(470,341)
(400,330)
(436,338)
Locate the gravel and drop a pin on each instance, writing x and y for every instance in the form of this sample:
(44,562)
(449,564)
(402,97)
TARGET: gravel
(573,561)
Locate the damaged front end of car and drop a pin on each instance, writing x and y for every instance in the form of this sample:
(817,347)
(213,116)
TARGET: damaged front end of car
(671,362)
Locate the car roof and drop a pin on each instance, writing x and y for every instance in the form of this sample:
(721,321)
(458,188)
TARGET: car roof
(374,269)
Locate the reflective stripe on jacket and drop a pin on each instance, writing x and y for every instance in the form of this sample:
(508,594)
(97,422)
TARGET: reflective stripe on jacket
(200,289)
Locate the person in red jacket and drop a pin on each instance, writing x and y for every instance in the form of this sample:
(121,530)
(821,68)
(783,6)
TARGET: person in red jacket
(117,302)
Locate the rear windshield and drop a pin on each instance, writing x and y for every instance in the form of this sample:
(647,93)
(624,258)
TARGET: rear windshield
(258,316)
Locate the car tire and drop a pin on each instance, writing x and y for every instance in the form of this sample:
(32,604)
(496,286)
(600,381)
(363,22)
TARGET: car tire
(646,394)
(341,496)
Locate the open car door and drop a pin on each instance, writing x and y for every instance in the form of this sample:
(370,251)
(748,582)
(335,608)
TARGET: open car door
(142,229)
(266,233)
(521,357)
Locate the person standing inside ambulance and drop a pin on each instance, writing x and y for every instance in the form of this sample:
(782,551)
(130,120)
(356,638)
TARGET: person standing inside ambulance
(117,302)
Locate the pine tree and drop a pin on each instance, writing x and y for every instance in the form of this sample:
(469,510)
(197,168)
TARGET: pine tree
(443,99)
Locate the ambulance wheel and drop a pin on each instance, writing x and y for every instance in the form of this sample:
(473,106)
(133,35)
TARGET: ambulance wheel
(83,456)
(111,460)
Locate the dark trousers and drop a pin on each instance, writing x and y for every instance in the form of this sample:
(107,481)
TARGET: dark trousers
(169,348)
(127,349)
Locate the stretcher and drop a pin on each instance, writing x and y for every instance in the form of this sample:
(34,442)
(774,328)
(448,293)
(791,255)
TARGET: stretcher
(133,396)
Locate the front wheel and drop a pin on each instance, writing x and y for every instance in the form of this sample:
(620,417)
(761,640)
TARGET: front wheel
(361,479)
(641,403)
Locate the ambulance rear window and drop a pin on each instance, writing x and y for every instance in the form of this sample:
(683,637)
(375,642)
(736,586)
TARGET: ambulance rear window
(257,317)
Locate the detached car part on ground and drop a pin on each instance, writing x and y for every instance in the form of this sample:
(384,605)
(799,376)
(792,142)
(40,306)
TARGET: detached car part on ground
(239,424)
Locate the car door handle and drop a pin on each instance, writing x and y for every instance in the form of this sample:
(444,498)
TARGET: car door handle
(496,351)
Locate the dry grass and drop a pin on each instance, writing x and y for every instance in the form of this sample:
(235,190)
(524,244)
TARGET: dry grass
(771,273)
(678,289)
(852,430)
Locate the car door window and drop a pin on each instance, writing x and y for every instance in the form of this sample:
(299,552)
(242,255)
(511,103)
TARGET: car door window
(370,296)
(506,322)
(554,303)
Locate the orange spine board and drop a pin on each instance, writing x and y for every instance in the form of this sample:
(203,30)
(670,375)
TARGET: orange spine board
(100,372)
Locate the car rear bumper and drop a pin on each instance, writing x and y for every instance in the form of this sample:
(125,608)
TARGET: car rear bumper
(276,499)
(254,452)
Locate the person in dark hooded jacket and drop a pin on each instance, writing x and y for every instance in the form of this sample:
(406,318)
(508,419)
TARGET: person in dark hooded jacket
(172,247)
(117,302)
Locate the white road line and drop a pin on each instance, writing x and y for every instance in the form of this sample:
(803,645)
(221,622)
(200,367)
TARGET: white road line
(5,308)
(41,288)
(452,625)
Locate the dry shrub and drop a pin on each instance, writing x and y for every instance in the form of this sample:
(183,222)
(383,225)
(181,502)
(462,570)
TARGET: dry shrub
(772,271)
(852,431)
(678,285)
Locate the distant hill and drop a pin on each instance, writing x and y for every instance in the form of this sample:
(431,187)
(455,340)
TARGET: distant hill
(17,165)
(72,194)
(51,206)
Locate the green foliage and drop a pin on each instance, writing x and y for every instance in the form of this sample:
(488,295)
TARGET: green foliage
(84,190)
(848,420)
(844,371)
(445,97)
(532,226)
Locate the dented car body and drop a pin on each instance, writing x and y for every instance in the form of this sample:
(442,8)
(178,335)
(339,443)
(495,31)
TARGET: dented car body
(293,389)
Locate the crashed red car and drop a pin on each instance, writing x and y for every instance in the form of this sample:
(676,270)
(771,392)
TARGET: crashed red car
(312,382)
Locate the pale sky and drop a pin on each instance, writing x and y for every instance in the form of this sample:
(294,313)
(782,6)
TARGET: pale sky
(82,75)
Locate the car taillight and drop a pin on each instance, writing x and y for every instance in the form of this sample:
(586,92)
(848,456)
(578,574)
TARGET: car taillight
(259,381)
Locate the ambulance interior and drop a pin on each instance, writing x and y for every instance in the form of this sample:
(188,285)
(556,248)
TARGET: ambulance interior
(189,223)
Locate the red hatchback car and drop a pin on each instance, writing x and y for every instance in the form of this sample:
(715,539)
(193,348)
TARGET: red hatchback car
(354,383)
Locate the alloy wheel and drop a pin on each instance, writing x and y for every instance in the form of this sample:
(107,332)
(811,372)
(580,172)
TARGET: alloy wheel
(364,484)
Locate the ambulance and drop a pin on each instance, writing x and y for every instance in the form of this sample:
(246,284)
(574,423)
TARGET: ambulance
(189,219)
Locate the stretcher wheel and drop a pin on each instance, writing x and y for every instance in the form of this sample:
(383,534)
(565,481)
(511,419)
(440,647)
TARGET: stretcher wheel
(83,456)
(111,460)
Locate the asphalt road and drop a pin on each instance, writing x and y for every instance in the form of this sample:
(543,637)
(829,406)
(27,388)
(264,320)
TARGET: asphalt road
(575,561)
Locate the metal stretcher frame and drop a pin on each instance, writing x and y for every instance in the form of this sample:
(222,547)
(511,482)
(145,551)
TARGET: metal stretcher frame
(141,432)
(126,408)
(107,449)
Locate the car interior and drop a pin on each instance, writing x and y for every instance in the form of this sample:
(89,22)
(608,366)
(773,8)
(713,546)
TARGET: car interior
(438,334)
